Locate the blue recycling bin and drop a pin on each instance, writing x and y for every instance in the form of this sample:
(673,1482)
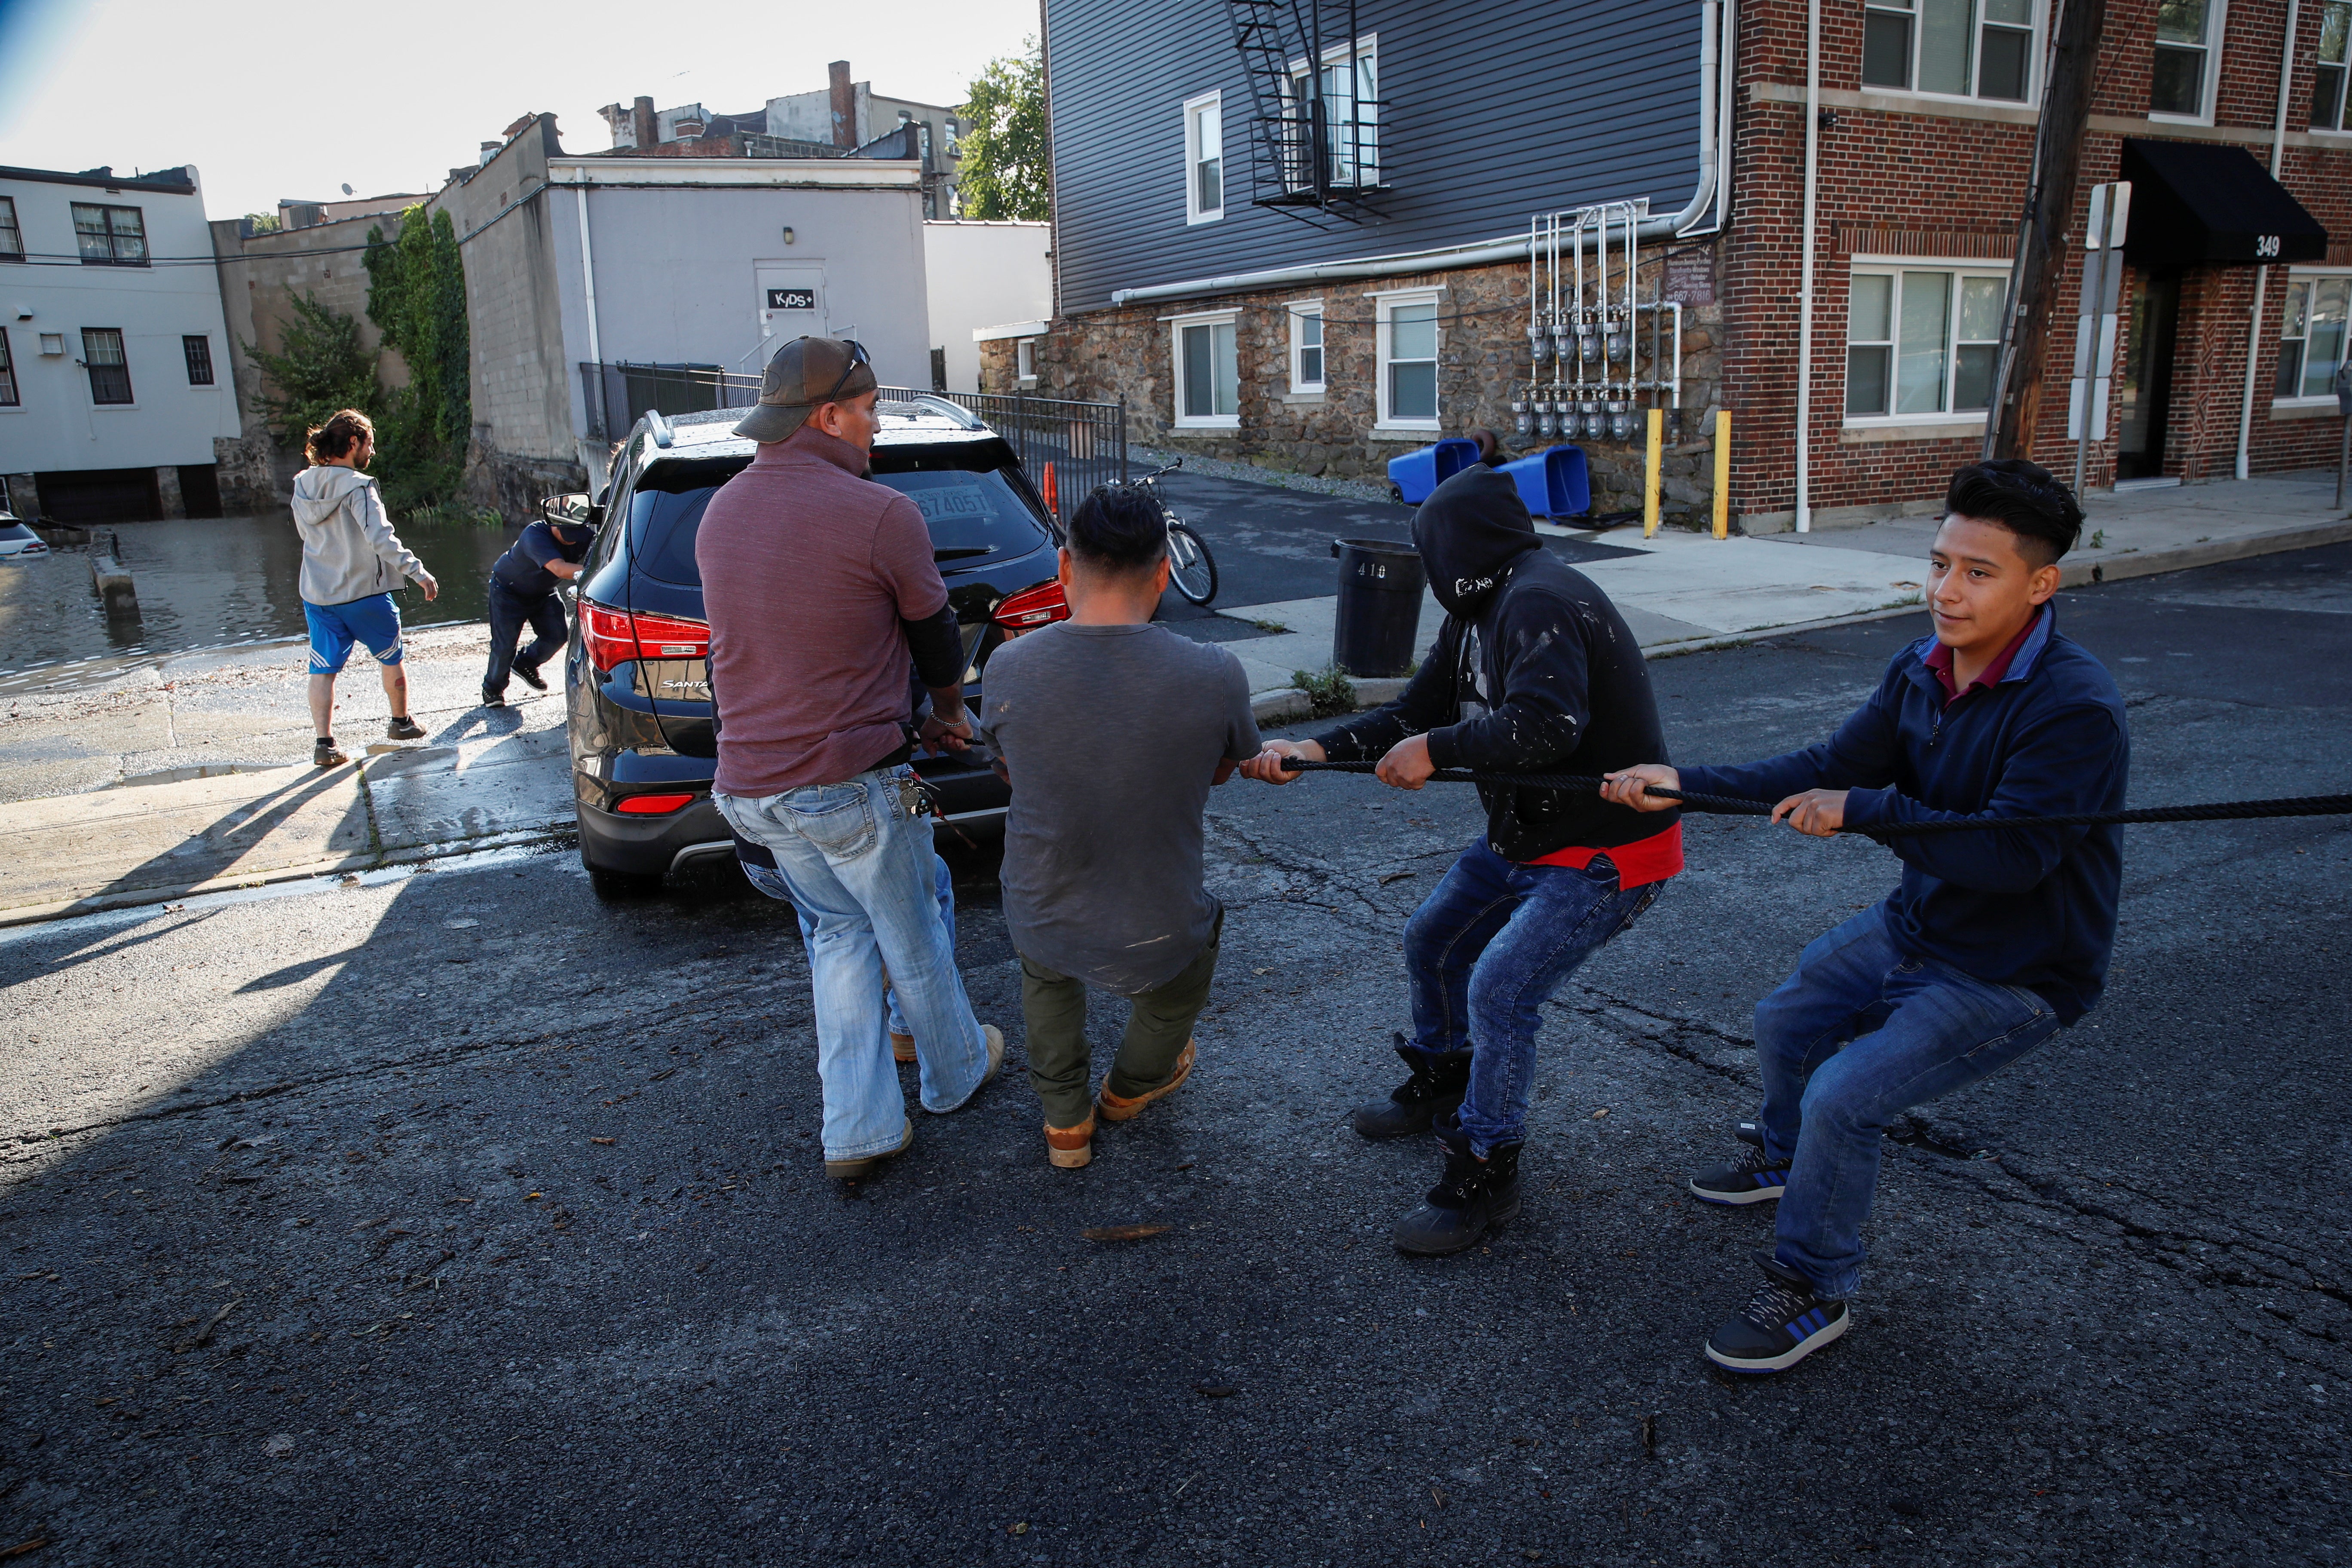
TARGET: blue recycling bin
(1553,482)
(1415,474)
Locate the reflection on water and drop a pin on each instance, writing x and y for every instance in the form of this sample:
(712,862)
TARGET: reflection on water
(205,584)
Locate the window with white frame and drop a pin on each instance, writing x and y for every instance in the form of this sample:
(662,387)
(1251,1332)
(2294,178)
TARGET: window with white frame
(7,373)
(2312,335)
(1024,359)
(2327,81)
(1349,85)
(2180,86)
(1408,360)
(1960,49)
(1204,159)
(1307,348)
(1208,372)
(12,238)
(1921,342)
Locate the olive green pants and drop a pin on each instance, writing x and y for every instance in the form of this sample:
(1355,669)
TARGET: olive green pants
(1053,1007)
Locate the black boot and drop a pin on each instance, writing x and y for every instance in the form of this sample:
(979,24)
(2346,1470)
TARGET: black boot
(1472,1199)
(1438,1080)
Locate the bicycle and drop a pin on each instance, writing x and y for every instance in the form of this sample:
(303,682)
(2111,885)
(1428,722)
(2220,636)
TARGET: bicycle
(1190,568)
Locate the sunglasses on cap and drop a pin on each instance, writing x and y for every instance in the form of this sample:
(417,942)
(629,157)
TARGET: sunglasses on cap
(857,356)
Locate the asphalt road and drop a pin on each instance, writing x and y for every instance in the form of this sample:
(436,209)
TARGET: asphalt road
(1274,544)
(316,1250)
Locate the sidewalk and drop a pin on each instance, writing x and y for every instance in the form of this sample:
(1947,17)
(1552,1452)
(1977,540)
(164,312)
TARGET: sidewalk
(191,775)
(1684,592)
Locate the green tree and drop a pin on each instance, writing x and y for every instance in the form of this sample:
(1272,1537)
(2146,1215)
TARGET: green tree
(1007,159)
(321,367)
(416,294)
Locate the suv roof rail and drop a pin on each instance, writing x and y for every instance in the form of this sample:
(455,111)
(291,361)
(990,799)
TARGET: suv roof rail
(964,418)
(659,425)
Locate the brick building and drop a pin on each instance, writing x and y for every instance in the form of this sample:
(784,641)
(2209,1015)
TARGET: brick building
(1244,305)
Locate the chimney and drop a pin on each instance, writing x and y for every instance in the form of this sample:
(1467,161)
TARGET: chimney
(641,122)
(490,150)
(845,105)
(687,126)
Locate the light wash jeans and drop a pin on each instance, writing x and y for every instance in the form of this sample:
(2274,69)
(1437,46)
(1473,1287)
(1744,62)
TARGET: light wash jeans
(865,881)
(1861,1032)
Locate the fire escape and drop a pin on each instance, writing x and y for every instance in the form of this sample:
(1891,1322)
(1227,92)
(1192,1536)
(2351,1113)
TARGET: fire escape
(1315,109)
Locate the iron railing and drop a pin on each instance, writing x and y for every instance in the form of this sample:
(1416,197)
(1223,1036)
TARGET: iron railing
(1066,446)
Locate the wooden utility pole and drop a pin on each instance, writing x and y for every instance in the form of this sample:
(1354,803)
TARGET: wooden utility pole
(2041,232)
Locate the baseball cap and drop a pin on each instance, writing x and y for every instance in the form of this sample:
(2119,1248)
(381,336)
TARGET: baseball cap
(803,373)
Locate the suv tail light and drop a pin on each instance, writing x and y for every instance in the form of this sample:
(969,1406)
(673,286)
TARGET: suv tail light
(652,805)
(615,637)
(1031,609)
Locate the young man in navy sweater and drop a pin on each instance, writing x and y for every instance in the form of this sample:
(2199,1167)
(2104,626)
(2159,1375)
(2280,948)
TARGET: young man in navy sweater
(1994,940)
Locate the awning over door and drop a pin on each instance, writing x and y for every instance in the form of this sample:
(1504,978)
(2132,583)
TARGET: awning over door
(2208,202)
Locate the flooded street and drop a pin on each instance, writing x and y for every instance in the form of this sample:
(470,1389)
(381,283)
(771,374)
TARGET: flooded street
(209,583)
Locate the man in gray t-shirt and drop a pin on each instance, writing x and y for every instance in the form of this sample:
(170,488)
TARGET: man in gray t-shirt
(1111,731)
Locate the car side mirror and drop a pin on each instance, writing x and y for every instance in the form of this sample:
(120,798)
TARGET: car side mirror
(571,511)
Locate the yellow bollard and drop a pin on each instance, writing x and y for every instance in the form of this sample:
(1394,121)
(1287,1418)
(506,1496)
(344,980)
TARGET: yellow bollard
(1650,474)
(1723,473)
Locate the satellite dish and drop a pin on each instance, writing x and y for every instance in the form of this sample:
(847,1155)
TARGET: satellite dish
(347,190)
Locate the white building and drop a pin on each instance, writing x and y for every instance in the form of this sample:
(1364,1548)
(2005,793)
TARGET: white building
(980,277)
(113,353)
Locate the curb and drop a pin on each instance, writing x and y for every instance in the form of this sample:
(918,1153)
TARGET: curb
(2182,557)
(349,864)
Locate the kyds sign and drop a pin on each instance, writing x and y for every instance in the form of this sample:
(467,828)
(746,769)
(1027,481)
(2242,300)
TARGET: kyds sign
(792,299)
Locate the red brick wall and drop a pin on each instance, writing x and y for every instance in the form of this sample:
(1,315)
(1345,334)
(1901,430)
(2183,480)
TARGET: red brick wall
(1912,184)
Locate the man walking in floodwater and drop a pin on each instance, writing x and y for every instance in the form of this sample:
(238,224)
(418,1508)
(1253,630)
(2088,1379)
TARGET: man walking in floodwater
(352,560)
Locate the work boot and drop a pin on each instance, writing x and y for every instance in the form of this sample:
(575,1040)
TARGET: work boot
(1069,1148)
(1473,1198)
(1112,1107)
(851,1172)
(1438,1080)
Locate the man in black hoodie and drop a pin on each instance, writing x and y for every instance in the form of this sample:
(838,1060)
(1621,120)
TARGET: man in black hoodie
(1533,673)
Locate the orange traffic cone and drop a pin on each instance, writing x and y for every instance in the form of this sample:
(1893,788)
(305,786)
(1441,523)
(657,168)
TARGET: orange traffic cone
(1052,504)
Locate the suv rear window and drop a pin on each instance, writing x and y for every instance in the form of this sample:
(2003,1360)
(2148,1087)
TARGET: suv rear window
(969,504)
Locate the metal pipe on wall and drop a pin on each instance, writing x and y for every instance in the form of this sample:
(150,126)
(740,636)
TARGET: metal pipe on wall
(1805,269)
(2263,274)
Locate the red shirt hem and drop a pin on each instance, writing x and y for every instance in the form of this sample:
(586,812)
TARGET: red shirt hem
(1640,863)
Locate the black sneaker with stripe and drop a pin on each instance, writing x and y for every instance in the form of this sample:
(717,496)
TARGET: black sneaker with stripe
(1782,1323)
(1755,1177)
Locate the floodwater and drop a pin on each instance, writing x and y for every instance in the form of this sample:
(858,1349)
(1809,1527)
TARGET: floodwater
(204,583)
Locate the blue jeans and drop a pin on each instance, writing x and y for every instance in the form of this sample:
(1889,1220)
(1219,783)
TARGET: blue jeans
(771,881)
(509,613)
(864,879)
(1861,1032)
(1484,952)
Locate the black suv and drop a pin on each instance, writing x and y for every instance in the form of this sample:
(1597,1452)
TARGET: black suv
(642,745)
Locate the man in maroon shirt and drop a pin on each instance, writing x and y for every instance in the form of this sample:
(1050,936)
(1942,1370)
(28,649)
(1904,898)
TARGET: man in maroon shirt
(821,587)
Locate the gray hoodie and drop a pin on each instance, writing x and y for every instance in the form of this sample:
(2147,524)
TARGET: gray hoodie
(348,551)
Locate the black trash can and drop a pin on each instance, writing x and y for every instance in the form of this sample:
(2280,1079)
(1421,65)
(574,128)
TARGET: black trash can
(1380,606)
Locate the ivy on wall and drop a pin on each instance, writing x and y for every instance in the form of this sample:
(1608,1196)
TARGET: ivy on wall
(321,367)
(416,295)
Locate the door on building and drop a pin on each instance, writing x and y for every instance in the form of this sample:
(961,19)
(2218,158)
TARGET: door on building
(791,303)
(2144,393)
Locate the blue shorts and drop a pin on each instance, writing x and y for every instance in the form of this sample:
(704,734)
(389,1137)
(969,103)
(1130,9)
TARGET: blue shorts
(372,622)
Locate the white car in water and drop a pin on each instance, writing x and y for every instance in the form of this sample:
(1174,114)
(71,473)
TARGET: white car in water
(16,540)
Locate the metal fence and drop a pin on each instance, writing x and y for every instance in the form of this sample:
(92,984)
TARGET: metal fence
(1066,446)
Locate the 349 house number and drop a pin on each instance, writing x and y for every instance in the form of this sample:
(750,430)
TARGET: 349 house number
(2266,244)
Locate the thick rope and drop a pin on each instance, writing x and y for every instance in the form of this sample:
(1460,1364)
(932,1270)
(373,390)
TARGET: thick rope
(1732,805)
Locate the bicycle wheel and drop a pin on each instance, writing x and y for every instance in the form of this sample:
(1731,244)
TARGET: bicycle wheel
(1191,567)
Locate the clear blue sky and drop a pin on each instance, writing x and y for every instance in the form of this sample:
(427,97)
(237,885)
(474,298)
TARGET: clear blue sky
(271,101)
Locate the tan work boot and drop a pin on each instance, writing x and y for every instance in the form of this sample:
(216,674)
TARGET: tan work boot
(865,1166)
(1070,1147)
(1120,1108)
(902,1047)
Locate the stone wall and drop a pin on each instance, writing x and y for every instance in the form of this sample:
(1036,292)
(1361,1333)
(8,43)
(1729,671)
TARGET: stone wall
(512,484)
(1484,365)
